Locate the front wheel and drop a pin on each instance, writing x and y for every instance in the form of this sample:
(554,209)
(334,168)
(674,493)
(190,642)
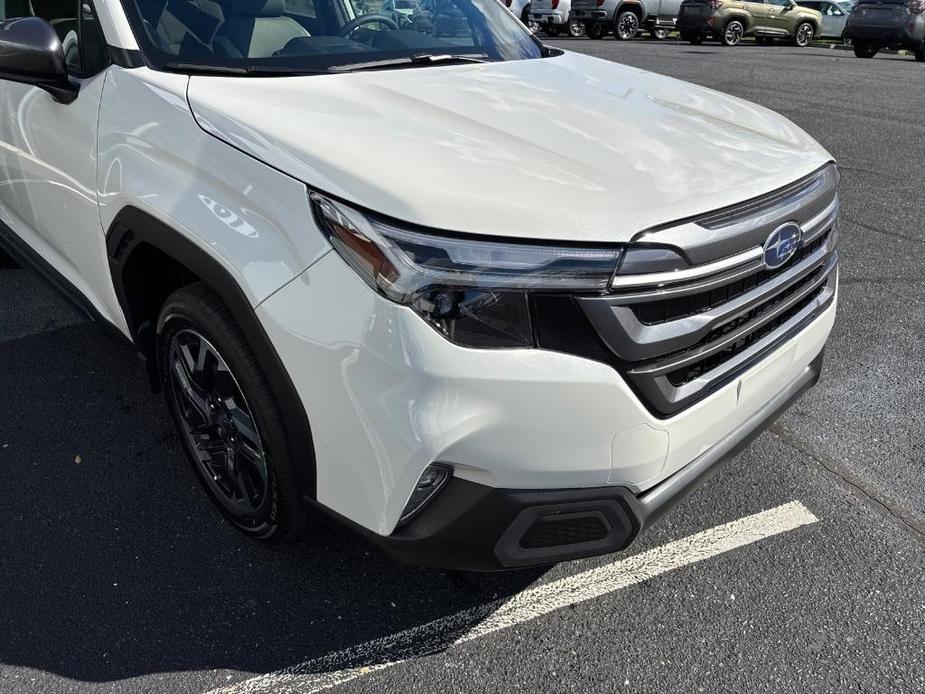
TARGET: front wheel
(733,33)
(660,34)
(594,30)
(576,29)
(865,50)
(227,417)
(804,35)
(627,26)
(692,38)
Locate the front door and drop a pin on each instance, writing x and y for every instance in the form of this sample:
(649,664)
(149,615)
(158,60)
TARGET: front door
(48,152)
(780,16)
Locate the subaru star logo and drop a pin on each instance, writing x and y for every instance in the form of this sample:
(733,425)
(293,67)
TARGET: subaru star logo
(782,244)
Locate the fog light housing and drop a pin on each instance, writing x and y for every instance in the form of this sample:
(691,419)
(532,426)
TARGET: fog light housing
(431,481)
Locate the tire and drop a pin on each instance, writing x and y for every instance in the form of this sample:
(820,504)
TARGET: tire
(576,29)
(626,27)
(594,30)
(692,38)
(552,30)
(804,34)
(239,451)
(865,50)
(732,33)
(659,34)
(920,53)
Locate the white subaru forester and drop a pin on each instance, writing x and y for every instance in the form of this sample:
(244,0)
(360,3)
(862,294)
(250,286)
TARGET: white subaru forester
(365,287)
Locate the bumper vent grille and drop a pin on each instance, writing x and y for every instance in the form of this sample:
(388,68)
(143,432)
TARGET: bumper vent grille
(570,529)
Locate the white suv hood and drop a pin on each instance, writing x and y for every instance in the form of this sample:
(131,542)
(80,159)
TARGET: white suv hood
(569,148)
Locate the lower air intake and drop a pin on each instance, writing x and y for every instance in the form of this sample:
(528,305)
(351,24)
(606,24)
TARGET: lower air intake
(565,529)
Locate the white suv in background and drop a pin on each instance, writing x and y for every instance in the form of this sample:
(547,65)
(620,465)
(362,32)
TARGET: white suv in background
(363,291)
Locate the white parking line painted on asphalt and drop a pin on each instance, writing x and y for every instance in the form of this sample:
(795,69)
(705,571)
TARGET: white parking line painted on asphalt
(342,666)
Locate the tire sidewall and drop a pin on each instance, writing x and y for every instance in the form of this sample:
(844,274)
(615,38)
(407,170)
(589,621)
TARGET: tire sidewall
(812,34)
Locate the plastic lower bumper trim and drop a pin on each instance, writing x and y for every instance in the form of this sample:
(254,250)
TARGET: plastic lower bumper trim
(473,527)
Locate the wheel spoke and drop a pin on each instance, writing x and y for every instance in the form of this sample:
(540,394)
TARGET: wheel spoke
(244,424)
(190,390)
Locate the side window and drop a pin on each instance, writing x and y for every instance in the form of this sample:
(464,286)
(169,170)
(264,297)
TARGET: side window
(779,3)
(75,23)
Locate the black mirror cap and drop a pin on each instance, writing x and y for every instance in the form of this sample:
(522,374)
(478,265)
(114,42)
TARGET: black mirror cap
(31,53)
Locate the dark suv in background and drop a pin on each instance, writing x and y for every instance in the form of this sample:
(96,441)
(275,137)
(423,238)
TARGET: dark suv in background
(877,24)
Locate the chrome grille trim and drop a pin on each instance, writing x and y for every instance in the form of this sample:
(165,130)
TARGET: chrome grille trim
(659,279)
(727,233)
(632,340)
(688,357)
(743,262)
(678,336)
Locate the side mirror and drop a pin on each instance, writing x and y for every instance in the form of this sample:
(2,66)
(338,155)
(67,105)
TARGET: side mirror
(31,53)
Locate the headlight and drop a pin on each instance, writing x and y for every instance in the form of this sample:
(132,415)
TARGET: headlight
(475,291)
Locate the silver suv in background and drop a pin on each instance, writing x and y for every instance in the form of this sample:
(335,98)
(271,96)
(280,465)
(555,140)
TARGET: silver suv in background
(626,18)
(834,16)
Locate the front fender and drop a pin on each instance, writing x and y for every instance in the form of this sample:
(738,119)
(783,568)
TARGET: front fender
(251,219)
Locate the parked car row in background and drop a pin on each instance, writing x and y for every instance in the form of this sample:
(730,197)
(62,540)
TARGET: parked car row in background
(871,25)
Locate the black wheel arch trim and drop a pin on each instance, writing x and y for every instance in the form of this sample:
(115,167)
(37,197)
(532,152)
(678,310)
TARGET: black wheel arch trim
(132,228)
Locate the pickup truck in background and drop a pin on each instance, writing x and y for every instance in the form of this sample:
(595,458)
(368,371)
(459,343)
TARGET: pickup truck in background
(626,18)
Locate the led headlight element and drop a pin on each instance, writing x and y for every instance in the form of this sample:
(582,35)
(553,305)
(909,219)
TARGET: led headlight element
(473,290)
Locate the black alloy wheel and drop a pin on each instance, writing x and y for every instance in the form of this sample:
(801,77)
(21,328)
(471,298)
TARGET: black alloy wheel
(227,417)
(218,426)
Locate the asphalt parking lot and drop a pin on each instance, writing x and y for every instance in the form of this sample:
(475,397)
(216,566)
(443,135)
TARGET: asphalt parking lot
(116,576)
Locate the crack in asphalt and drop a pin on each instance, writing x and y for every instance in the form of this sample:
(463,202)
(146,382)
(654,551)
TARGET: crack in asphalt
(894,234)
(853,483)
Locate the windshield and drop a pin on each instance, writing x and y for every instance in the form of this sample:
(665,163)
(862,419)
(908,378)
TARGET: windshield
(309,36)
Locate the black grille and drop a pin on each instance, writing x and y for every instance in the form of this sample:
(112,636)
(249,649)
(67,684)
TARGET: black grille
(697,369)
(554,531)
(662,311)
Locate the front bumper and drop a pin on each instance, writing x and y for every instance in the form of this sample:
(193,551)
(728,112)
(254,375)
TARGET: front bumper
(386,396)
(474,527)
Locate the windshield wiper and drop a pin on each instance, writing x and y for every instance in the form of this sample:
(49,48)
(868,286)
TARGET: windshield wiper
(420,59)
(250,70)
